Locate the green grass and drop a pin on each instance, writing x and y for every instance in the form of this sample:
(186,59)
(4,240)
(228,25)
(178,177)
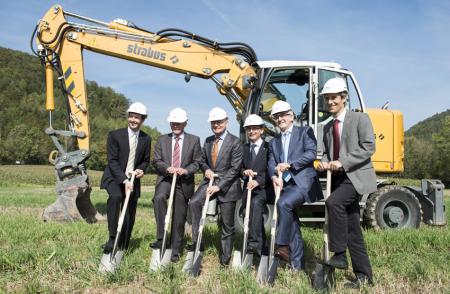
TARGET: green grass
(38,257)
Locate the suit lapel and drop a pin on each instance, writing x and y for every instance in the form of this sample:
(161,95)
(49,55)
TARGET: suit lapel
(185,148)
(168,146)
(126,142)
(208,147)
(247,155)
(279,146)
(224,146)
(294,138)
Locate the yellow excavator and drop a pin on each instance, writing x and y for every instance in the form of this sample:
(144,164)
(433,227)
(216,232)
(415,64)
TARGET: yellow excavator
(250,85)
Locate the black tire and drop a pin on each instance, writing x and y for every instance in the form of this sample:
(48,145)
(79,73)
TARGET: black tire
(239,215)
(393,207)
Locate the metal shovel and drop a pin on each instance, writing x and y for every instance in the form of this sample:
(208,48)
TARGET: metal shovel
(161,257)
(241,259)
(193,259)
(268,265)
(111,261)
(324,274)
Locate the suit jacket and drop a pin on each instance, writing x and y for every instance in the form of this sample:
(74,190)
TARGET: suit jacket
(357,146)
(301,156)
(228,167)
(118,148)
(191,157)
(258,165)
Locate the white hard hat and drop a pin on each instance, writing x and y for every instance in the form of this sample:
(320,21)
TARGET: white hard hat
(280,106)
(253,120)
(138,107)
(334,85)
(177,115)
(217,113)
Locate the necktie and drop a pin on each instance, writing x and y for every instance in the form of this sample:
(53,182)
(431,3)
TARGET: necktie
(252,151)
(285,142)
(131,155)
(215,151)
(176,153)
(336,139)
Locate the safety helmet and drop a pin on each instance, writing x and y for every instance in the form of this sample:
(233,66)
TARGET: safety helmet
(334,85)
(138,107)
(177,115)
(253,120)
(217,113)
(280,106)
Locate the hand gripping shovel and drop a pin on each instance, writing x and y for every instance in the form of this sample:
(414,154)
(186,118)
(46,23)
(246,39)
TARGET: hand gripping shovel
(268,265)
(110,262)
(194,259)
(324,274)
(243,260)
(161,257)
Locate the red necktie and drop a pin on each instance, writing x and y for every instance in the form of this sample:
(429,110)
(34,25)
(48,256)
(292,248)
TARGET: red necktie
(336,139)
(176,153)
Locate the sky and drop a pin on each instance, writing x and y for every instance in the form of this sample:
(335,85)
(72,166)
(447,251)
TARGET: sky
(398,50)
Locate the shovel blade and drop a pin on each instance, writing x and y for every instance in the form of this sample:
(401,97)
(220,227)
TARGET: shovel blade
(240,262)
(192,265)
(272,271)
(109,264)
(156,262)
(323,277)
(261,274)
(237,260)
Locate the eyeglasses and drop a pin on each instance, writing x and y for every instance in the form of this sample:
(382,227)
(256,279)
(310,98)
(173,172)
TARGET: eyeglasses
(218,122)
(253,128)
(276,116)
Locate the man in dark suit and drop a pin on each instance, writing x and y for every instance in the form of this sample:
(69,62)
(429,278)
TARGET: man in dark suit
(256,155)
(180,153)
(292,153)
(128,150)
(349,143)
(222,155)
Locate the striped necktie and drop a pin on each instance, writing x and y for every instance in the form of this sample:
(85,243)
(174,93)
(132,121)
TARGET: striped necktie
(176,153)
(131,155)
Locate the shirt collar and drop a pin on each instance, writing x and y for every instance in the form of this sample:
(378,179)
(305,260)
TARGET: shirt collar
(131,133)
(222,137)
(288,131)
(175,136)
(342,115)
(257,143)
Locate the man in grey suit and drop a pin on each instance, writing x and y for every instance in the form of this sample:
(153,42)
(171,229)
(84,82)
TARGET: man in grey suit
(222,155)
(177,152)
(349,143)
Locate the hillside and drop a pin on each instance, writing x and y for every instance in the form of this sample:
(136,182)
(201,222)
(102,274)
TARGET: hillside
(23,117)
(425,129)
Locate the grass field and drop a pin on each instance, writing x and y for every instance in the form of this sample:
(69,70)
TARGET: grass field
(37,257)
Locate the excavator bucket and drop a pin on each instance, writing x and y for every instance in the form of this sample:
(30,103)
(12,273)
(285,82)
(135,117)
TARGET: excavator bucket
(73,202)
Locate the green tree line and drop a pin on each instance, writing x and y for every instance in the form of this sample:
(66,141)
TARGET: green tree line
(23,117)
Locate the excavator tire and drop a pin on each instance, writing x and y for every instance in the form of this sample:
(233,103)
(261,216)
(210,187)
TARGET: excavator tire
(393,207)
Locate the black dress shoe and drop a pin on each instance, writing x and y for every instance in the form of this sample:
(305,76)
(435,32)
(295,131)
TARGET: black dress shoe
(360,281)
(175,258)
(156,245)
(192,246)
(339,260)
(108,246)
(224,261)
(253,250)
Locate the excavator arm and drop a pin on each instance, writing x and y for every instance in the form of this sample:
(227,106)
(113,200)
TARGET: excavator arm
(60,45)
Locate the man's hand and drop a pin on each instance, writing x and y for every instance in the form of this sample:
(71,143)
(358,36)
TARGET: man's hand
(128,185)
(322,166)
(277,182)
(335,165)
(211,190)
(139,173)
(181,171)
(281,167)
(171,170)
(249,172)
(209,174)
(252,185)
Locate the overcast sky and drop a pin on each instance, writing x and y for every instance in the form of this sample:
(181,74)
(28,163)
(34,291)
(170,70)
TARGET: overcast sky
(398,50)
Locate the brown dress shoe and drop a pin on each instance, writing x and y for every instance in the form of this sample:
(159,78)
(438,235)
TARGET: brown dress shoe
(282,252)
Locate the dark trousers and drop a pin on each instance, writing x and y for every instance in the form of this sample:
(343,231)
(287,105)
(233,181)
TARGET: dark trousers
(180,205)
(256,233)
(288,230)
(344,224)
(114,204)
(226,221)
